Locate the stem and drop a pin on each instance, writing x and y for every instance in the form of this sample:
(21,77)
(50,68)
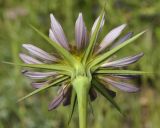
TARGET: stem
(82,85)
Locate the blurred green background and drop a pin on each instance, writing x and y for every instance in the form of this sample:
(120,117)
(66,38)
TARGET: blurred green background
(142,109)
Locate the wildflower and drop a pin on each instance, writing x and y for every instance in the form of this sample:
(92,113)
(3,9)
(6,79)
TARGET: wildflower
(83,69)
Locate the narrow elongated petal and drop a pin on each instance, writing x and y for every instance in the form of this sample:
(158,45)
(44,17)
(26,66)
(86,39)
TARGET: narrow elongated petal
(95,24)
(124,61)
(38,75)
(110,37)
(80,32)
(38,84)
(125,76)
(56,102)
(58,32)
(67,99)
(123,39)
(122,86)
(39,53)
(29,60)
(59,99)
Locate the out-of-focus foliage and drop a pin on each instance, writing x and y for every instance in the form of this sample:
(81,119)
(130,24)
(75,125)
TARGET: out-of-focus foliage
(142,109)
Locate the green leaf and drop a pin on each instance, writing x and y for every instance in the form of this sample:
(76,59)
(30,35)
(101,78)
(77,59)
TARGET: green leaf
(73,103)
(103,91)
(56,67)
(92,41)
(120,72)
(60,50)
(101,58)
(57,81)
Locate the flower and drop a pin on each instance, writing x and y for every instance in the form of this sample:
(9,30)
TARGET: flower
(81,69)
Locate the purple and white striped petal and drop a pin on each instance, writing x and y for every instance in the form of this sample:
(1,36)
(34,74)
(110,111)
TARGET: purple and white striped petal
(67,99)
(80,32)
(38,84)
(56,102)
(29,60)
(122,86)
(125,76)
(58,33)
(123,39)
(59,99)
(39,53)
(123,62)
(38,75)
(95,24)
(110,37)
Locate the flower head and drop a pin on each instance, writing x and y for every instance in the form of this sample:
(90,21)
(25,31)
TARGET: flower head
(84,70)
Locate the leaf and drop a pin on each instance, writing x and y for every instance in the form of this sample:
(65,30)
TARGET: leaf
(57,81)
(120,72)
(56,67)
(73,103)
(103,91)
(63,52)
(98,60)
(92,41)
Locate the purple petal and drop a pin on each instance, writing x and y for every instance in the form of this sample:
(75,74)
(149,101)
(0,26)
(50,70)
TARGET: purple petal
(123,39)
(59,99)
(92,94)
(29,60)
(38,75)
(123,62)
(125,76)
(39,53)
(80,32)
(110,37)
(58,33)
(56,102)
(67,99)
(38,84)
(95,24)
(122,86)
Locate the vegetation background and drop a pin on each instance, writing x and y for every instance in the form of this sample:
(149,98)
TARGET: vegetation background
(142,109)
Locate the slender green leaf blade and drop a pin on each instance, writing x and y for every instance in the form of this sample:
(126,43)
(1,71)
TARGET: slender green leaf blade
(101,89)
(121,72)
(56,67)
(57,81)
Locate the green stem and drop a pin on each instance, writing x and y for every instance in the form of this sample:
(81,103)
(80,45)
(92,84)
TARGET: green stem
(82,85)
